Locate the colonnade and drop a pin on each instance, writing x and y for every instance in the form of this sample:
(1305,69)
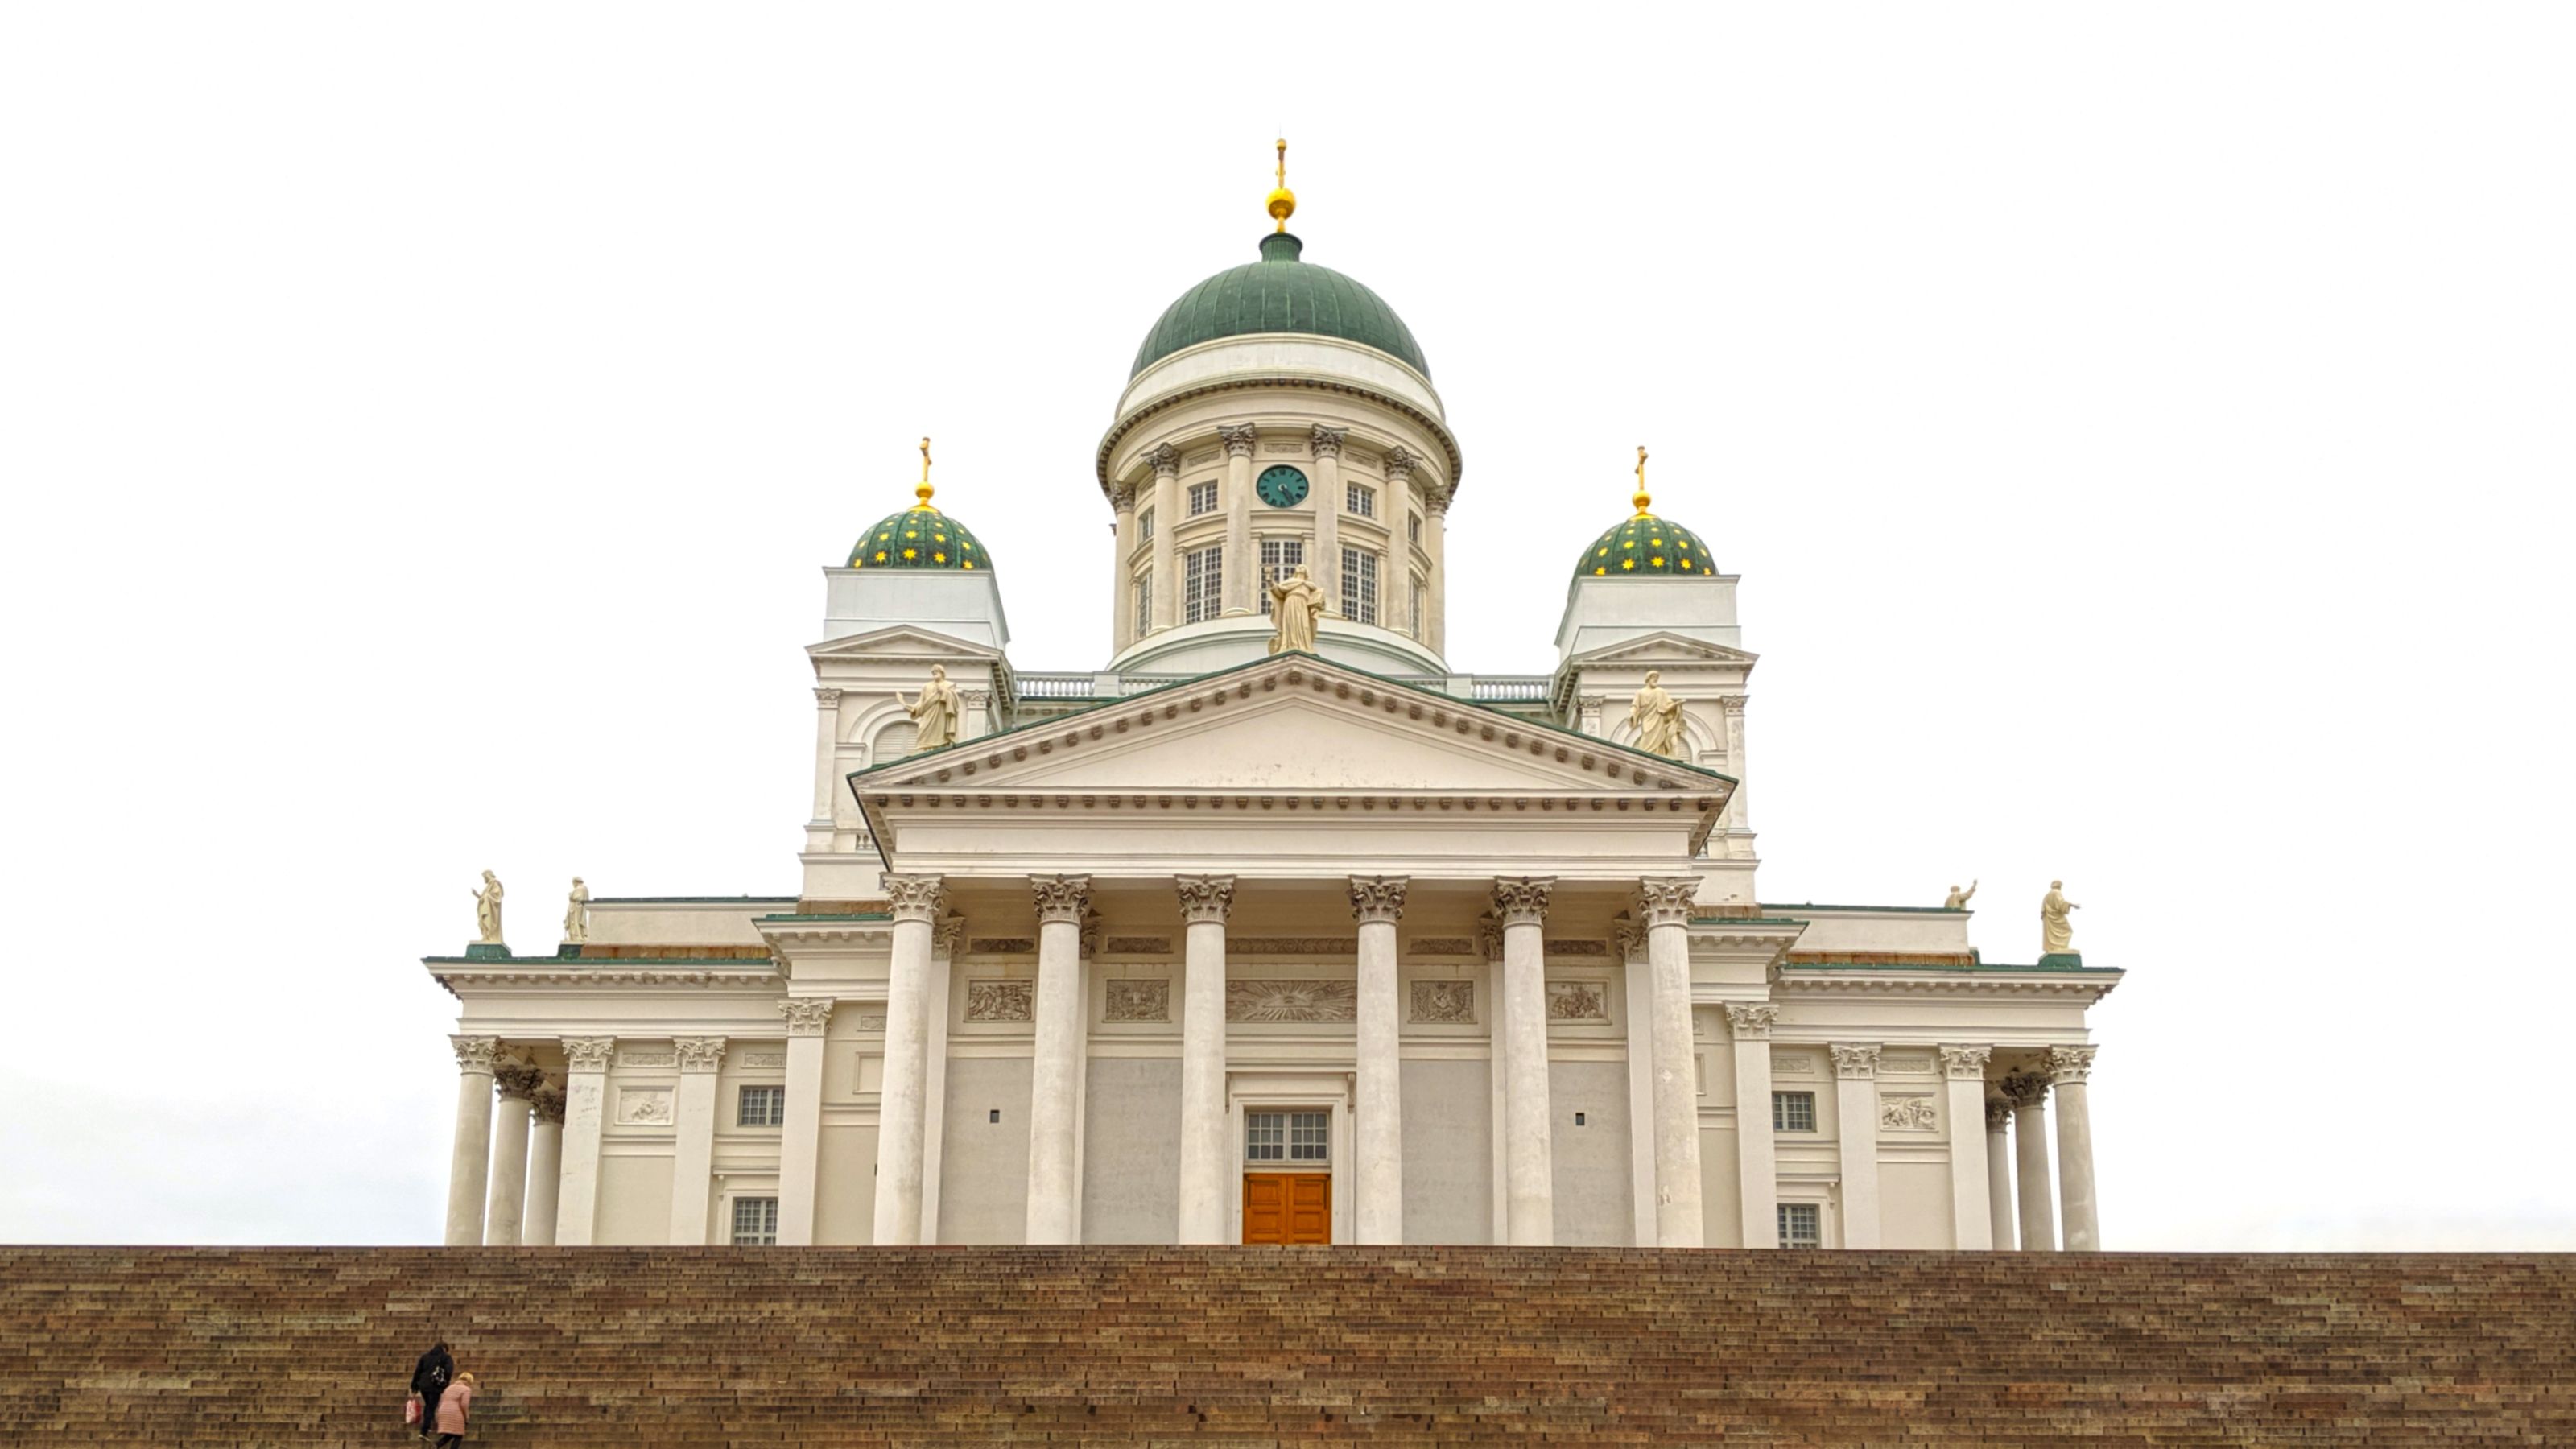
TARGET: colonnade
(503,1183)
(2020,1210)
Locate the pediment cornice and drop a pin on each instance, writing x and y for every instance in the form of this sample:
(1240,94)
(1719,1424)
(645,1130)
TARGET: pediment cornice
(876,643)
(1663,649)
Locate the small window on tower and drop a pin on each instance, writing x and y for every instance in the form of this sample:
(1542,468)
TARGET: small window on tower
(1202,498)
(1145,526)
(1363,501)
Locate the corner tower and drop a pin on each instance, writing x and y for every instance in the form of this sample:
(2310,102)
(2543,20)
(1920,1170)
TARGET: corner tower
(1279,414)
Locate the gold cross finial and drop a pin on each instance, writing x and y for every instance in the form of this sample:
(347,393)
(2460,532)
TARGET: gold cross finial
(921,490)
(1283,202)
(1643,497)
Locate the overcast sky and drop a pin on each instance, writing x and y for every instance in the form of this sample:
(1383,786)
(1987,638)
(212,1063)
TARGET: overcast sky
(2143,432)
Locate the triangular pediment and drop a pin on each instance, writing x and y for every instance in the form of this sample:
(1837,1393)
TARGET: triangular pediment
(1664,646)
(901,641)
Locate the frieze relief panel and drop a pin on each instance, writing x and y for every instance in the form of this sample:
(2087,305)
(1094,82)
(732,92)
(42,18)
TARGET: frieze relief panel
(1578,1001)
(1575,948)
(764,1061)
(1138,946)
(1323,1001)
(1001,1001)
(1001,946)
(649,1057)
(644,1106)
(1905,1064)
(1442,946)
(866,1024)
(1907,1112)
(1444,1002)
(1792,1064)
(1139,1001)
(1292,946)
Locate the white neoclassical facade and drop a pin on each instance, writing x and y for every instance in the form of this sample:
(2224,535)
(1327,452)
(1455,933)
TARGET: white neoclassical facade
(1212,944)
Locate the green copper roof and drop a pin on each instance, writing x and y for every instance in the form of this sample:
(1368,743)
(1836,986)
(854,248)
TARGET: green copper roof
(919,538)
(1279,293)
(1646,544)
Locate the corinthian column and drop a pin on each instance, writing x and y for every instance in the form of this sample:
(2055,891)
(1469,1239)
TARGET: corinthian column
(800,1134)
(1529,1167)
(1663,903)
(2029,1097)
(1856,1123)
(515,1082)
(585,1102)
(1999,1184)
(1054,1075)
(1757,1172)
(1435,542)
(1205,902)
(471,1156)
(827,742)
(1240,563)
(1166,461)
(1971,1217)
(1122,603)
(545,1167)
(1378,901)
(1327,443)
(915,904)
(693,1152)
(2068,1067)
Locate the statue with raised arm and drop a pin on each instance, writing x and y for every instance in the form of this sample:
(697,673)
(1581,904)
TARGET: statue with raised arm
(487,909)
(2056,932)
(1959,899)
(1657,717)
(1295,601)
(935,713)
(577,914)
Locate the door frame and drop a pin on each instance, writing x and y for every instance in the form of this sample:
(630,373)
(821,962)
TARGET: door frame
(1292,1091)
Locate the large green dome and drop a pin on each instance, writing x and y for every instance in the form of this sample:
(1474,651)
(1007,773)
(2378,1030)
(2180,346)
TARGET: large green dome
(920,537)
(1646,544)
(1279,293)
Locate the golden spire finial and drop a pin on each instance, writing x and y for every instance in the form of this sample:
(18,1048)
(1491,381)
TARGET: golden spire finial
(1283,202)
(921,490)
(1643,498)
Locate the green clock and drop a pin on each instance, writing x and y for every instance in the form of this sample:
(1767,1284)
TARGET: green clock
(1281,486)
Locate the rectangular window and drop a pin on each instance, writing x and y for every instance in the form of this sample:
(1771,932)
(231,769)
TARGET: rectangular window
(1801,1225)
(761,1107)
(1362,500)
(1793,1111)
(1279,559)
(1413,611)
(1202,584)
(755,1222)
(1145,526)
(1144,602)
(1413,528)
(1265,1136)
(1359,585)
(1287,1136)
(1202,498)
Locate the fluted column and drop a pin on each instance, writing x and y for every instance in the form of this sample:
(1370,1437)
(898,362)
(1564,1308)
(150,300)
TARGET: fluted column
(827,744)
(1327,444)
(2068,1067)
(1999,1184)
(513,1083)
(800,1133)
(1757,1171)
(2029,1097)
(1053,1102)
(1397,610)
(1205,902)
(471,1156)
(1241,565)
(545,1167)
(1166,461)
(916,903)
(1435,542)
(586,1061)
(1122,572)
(1378,902)
(1739,805)
(693,1132)
(1663,903)
(1529,1167)
(1971,1217)
(1856,1140)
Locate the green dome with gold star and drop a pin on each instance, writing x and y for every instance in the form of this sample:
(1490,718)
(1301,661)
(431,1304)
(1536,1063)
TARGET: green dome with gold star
(920,537)
(1646,545)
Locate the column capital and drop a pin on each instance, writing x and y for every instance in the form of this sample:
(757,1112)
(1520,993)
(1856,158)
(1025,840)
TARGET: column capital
(1437,497)
(1378,897)
(1592,702)
(1238,439)
(1122,498)
(1665,900)
(1998,1114)
(2024,1090)
(1629,934)
(1732,704)
(827,697)
(548,1103)
(1327,443)
(1166,463)
(807,1015)
(915,897)
(1752,1020)
(1965,1063)
(945,935)
(1086,939)
(475,1053)
(1489,935)
(700,1053)
(1521,900)
(1855,1063)
(588,1053)
(518,1080)
(2070,1064)
(1399,465)
(1205,899)
(1061,898)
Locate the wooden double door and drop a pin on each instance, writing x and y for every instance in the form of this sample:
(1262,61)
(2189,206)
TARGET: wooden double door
(1287,1207)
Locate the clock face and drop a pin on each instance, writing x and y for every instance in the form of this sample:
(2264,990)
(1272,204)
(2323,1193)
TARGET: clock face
(1281,487)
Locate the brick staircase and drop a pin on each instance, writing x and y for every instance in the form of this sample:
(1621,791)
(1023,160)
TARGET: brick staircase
(577,1348)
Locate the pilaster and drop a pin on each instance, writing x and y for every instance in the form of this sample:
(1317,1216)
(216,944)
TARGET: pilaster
(1963,1069)
(800,1134)
(586,1061)
(1856,1134)
(1757,1169)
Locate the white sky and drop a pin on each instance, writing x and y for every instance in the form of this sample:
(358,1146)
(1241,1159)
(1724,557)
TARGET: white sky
(2144,434)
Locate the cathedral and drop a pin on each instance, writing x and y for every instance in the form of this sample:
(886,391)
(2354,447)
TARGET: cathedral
(1272,927)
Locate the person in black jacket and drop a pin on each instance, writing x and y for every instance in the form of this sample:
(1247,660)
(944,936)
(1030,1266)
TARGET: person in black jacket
(429,1379)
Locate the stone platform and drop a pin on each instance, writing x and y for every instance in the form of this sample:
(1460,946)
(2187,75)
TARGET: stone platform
(598,1347)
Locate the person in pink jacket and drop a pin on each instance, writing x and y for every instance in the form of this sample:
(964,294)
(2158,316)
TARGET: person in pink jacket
(452,1409)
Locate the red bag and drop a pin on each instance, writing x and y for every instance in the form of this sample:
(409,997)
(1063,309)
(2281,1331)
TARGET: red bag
(411,1409)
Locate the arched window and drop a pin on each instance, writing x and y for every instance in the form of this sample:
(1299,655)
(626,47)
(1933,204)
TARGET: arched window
(893,742)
